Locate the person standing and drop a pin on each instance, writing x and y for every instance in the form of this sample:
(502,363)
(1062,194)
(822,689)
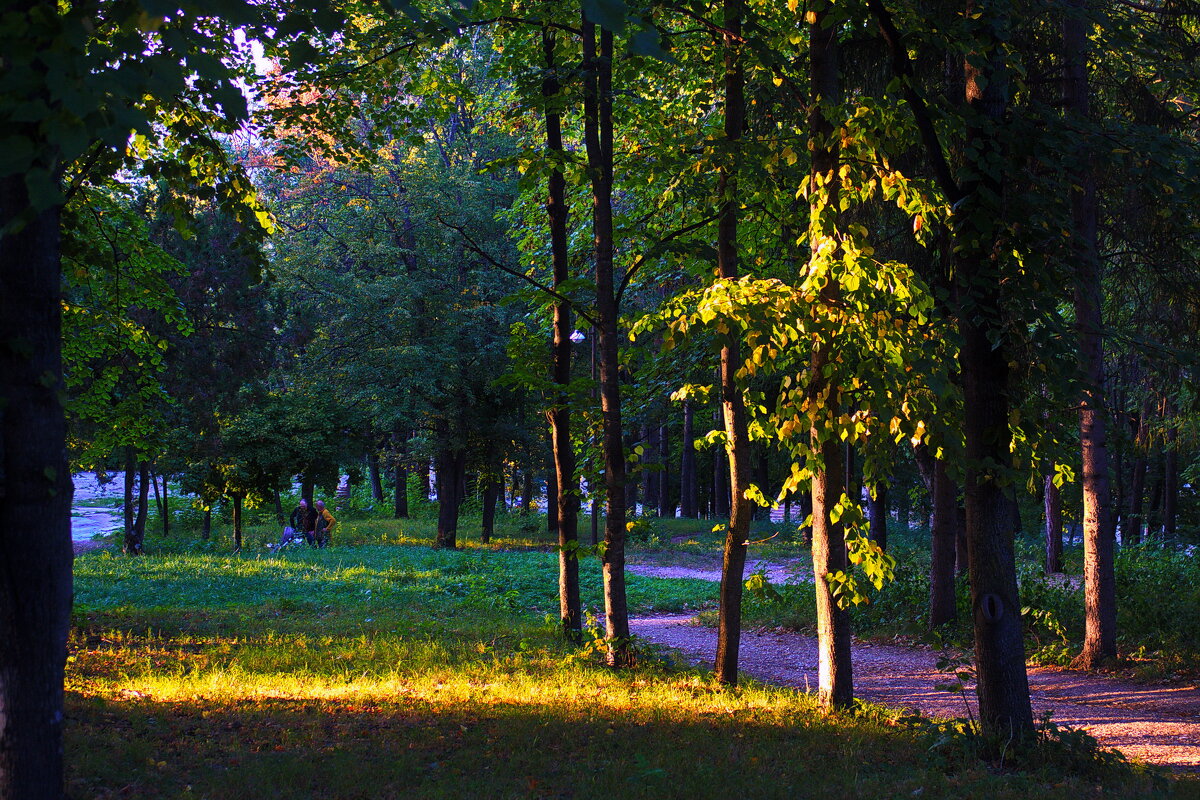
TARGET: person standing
(324,524)
(304,519)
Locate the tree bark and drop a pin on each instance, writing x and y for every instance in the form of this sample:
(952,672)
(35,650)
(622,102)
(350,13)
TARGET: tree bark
(491,491)
(1099,578)
(376,477)
(1003,685)
(835,670)
(237,523)
(666,501)
(206,525)
(450,466)
(598,142)
(1052,502)
(143,504)
(737,446)
(943,607)
(131,546)
(720,473)
(566,498)
(35,502)
(1131,533)
(688,507)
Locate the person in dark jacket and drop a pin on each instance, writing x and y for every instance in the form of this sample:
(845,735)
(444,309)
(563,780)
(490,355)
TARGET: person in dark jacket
(304,519)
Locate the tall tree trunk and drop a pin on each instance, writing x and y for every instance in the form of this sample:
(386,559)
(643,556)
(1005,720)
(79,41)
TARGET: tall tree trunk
(160,502)
(450,466)
(1003,685)
(1170,484)
(598,142)
(835,670)
(688,507)
(307,486)
(552,498)
(943,607)
(1052,501)
(35,498)
(720,473)
(666,500)
(491,491)
(376,477)
(237,523)
(143,503)
(1099,578)
(1131,532)
(566,499)
(649,462)
(526,491)
(737,447)
(130,547)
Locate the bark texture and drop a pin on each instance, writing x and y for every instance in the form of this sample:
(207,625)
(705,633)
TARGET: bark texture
(35,505)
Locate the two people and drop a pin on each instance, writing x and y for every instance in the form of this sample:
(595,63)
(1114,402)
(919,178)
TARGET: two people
(315,523)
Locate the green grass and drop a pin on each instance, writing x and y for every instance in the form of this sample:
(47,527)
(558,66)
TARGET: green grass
(389,669)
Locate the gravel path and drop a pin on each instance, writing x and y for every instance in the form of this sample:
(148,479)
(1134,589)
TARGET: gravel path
(1156,724)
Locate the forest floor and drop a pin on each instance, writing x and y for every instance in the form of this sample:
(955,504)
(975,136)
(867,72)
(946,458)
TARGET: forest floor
(1154,723)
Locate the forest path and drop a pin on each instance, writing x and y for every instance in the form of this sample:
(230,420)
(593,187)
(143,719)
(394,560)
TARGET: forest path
(1157,724)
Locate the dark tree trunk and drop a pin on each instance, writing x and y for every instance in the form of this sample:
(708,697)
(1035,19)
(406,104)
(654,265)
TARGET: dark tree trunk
(376,477)
(1052,502)
(737,448)
(806,510)
(598,142)
(943,546)
(835,670)
(650,462)
(451,469)
(423,467)
(35,500)
(687,465)
(877,505)
(307,485)
(552,500)
(1003,685)
(131,545)
(160,503)
(491,491)
(143,503)
(1131,532)
(526,491)
(1170,484)
(1099,578)
(279,517)
(720,475)
(666,501)
(237,523)
(564,503)
(206,525)
(400,491)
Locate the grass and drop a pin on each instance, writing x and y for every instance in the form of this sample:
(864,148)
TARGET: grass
(382,668)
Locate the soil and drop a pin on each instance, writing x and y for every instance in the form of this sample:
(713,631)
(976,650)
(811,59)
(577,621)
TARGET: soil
(1156,724)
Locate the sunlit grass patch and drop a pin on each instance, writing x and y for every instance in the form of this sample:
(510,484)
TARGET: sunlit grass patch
(387,671)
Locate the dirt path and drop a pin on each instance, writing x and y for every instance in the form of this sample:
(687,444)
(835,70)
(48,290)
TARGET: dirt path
(1155,724)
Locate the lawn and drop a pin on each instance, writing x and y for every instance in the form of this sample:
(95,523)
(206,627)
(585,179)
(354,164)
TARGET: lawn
(389,669)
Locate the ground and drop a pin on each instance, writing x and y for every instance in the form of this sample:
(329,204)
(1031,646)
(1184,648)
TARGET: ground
(1158,724)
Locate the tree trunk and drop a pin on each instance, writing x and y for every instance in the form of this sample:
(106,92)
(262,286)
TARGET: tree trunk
(1052,501)
(307,485)
(688,507)
(143,503)
(376,477)
(565,501)
(491,491)
(450,467)
(598,142)
(237,523)
(1003,685)
(552,499)
(835,670)
(1131,533)
(1170,484)
(131,545)
(720,475)
(206,525)
(526,491)
(737,447)
(1099,578)
(35,500)
(279,517)
(160,502)
(943,607)
(666,501)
